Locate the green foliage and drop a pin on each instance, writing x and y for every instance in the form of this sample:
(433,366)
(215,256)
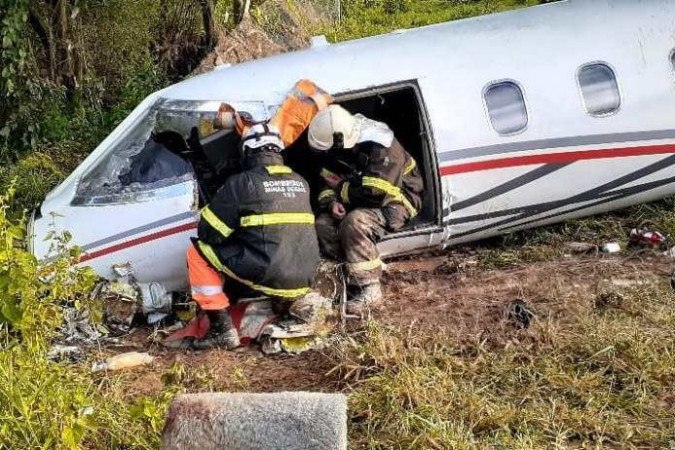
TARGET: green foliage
(123,49)
(362,18)
(29,306)
(50,405)
(32,178)
(15,117)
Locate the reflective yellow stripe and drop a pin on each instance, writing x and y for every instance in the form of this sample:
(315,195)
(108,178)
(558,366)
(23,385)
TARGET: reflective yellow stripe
(211,256)
(277,219)
(366,265)
(381,185)
(326,193)
(276,170)
(325,173)
(215,222)
(394,192)
(344,192)
(406,203)
(409,167)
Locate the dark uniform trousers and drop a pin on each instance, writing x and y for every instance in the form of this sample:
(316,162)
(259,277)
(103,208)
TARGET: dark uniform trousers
(354,239)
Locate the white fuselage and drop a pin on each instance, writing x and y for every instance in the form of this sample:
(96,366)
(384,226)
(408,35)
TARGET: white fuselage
(558,159)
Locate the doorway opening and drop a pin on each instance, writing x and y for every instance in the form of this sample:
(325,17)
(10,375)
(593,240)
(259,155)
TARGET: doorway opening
(401,107)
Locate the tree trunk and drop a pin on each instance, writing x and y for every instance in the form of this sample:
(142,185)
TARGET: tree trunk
(209,24)
(241,10)
(46,37)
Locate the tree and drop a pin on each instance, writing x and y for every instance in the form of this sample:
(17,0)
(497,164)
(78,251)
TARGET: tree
(210,36)
(241,10)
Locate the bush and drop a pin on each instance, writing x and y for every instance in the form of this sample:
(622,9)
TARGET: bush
(31,178)
(363,18)
(45,404)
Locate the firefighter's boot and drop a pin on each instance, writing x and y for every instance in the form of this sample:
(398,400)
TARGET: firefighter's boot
(222,333)
(364,298)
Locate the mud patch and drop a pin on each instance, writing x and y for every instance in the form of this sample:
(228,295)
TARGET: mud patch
(472,303)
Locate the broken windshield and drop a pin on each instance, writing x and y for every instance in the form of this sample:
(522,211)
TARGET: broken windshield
(140,166)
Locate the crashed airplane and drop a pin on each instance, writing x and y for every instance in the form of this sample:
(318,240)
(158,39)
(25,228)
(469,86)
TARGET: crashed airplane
(517,120)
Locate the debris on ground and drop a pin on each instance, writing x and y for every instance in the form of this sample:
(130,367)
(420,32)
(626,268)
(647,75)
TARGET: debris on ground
(121,304)
(65,353)
(611,247)
(156,302)
(608,300)
(123,361)
(520,313)
(582,248)
(257,320)
(77,328)
(125,298)
(646,238)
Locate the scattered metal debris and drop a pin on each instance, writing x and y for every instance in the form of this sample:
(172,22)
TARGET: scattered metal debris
(156,301)
(78,329)
(125,298)
(647,238)
(75,335)
(520,314)
(65,353)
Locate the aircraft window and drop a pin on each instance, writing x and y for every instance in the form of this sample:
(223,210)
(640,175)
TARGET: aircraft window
(506,106)
(137,167)
(599,89)
(672,59)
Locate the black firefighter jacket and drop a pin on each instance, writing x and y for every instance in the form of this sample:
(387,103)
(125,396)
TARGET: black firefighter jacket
(259,229)
(372,175)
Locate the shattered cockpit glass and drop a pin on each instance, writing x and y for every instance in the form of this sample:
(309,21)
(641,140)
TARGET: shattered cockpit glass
(138,168)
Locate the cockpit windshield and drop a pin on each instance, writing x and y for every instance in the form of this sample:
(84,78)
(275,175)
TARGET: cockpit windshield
(150,160)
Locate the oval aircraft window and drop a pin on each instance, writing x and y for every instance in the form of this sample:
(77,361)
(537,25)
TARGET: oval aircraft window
(506,107)
(599,89)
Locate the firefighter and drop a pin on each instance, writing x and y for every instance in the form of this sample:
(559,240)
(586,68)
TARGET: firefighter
(371,185)
(258,231)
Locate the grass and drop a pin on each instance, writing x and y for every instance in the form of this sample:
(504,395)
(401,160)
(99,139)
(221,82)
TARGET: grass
(601,378)
(540,244)
(585,375)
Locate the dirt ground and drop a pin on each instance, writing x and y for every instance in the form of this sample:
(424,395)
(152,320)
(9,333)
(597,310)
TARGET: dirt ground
(449,294)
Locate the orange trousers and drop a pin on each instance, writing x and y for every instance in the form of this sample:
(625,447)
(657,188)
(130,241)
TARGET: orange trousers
(206,283)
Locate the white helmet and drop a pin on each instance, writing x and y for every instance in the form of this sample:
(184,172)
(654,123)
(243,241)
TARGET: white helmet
(262,135)
(330,124)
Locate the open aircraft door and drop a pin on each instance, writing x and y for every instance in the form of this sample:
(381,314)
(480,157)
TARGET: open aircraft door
(135,200)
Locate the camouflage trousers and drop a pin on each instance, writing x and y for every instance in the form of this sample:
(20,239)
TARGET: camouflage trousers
(354,240)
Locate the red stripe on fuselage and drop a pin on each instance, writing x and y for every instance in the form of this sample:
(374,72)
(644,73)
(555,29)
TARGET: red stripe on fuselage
(138,241)
(557,158)
(514,161)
